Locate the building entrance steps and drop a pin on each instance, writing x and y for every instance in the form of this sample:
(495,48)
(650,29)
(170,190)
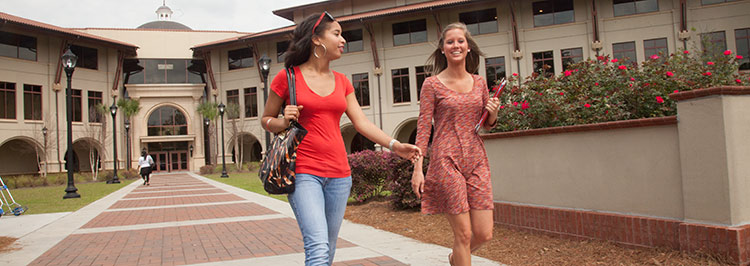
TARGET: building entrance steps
(217,224)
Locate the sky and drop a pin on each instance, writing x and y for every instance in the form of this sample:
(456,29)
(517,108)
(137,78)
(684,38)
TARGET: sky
(232,15)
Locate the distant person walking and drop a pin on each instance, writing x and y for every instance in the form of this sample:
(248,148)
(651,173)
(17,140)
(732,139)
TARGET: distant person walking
(146,163)
(458,178)
(323,179)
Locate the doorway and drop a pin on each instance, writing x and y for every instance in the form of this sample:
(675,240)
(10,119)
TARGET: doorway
(169,156)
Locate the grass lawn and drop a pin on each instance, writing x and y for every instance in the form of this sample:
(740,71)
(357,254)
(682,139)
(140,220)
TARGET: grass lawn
(49,199)
(247,181)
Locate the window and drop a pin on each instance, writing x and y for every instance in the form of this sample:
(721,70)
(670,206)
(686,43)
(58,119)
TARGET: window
(87,57)
(495,69)
(400,85)
(655,47)
(77,105)
(410,32)
(95,100)
(709,2)
(422,74)
(161,71)
(251,102)
(354,42)
(742,38)
(233,104)
(361,84)
(17,46)
(630,7)
(240,58)
(625,52)
(544,63)
(32,102)
(553,12)
(167,121)
(714,42)
(7,100)
(281,48)
(480,22)
(571,56)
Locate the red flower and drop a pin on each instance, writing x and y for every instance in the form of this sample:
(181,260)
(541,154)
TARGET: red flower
(568,73)
(540,94)
(562,93)
(739,57)
(739,81)
(587,105)
(669,74)
(686,52)
(659,99)
(515,74)
(622,67)
(615,60)
(727,52)
(606,111)
(520,112)
(710,63)
(654,57)
(630,85)
(676,91)
(632,79)
(600,58)
(515,103)
(524,105)
(707,73)
(502,106)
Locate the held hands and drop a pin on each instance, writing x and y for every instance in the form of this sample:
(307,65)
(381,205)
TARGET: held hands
(407,151)
(291,112)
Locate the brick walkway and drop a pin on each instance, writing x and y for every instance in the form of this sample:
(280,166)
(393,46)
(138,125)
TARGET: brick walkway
(148,226)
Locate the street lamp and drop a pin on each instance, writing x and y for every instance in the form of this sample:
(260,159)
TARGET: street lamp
(223,160)
(46,163)
(69,61)
(127,142)
(113,111)
(264,63)
(191,150)
(207,141)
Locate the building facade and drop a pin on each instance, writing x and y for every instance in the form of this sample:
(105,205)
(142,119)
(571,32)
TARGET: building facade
(171,70)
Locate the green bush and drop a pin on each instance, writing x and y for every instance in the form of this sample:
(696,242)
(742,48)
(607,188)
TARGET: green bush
(369,172)
(604,89)
(399,183)
(130,174)
(207,169)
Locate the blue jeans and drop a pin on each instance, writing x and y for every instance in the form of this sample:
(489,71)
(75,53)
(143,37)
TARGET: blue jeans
(319,204)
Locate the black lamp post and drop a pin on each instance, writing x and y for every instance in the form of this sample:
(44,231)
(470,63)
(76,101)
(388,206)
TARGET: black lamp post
(264,63)
(127,142)
(207,141)
(44,133)
(69,61)
(191,150)
(223,160)
(113,111)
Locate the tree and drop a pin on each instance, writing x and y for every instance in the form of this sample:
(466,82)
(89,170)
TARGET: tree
(210,110)
(129,108)
(233,111)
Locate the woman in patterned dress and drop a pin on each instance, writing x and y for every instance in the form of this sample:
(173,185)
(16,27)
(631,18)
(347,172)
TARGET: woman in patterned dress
(458,178)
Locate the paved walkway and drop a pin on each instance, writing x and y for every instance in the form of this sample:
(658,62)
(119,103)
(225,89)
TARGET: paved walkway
(187,219)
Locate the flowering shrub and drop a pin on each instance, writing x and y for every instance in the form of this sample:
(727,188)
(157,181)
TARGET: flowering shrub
(600,90)
(373,171)
(399,183)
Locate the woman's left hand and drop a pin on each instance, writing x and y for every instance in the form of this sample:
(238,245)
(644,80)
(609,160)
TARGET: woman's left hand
(407,151)
(493,105)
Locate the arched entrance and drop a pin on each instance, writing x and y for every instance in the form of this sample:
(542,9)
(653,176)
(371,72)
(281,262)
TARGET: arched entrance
(19,156)
(251,150)
(172,154)
(86,153)
(360,143)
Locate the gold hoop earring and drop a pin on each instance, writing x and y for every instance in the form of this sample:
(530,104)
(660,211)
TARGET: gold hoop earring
(324,49)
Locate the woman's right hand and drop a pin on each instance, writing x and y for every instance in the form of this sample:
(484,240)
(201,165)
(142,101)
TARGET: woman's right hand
(417,182)
(291,112)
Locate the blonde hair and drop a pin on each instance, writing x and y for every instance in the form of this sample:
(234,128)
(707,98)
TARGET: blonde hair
(437,61)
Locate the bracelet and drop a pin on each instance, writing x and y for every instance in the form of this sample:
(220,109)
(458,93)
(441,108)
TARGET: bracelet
(390,145)
(267,123)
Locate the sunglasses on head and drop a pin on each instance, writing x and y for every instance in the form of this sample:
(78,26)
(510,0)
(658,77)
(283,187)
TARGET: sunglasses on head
(325,14)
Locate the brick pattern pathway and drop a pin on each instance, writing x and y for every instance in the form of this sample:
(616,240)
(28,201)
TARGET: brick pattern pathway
(185,244)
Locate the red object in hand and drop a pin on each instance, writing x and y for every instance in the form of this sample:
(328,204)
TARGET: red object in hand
(485,113)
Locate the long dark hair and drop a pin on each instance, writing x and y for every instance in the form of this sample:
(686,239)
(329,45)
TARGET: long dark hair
(300,46)
(437,60)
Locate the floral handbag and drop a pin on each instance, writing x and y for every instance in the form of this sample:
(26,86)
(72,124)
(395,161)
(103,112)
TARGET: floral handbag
(277,168)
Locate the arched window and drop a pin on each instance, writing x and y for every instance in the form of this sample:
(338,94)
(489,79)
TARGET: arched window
(167,121)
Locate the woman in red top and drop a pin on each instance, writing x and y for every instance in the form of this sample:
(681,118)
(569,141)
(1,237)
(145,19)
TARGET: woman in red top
(458,178)
(323,180)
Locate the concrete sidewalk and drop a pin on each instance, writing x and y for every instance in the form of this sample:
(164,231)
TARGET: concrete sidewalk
(187,219)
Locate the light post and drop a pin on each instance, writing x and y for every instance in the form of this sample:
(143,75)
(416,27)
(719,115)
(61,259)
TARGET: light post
(69,61)
(264,63)
(113,111)
(127,142)
(223,160)
(46,162)
(207,141)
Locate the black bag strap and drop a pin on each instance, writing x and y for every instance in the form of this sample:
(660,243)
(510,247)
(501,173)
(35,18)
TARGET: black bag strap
(290,80)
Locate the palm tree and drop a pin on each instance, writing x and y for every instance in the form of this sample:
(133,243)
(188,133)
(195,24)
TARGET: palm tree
(129,108)
(209,110)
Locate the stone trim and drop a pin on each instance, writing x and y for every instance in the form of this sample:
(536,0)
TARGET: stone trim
(721,90)
(643,122)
